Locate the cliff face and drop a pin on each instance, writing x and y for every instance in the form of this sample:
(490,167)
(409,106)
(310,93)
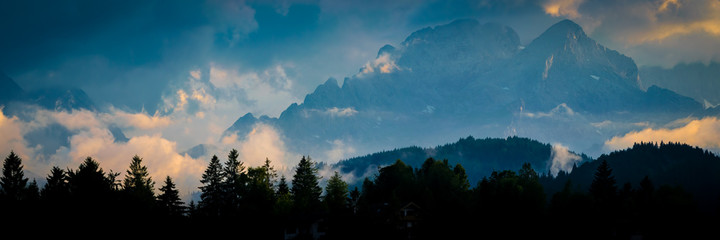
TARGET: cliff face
(465,78)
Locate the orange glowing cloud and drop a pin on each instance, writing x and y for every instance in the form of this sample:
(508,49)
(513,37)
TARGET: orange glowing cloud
(12,136)
(703,133)
(557,8)
(141,120)
(638,22)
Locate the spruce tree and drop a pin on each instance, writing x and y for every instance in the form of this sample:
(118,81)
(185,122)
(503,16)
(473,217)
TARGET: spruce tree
(13,181)
(603,186)
(56,188)
(192,209)
(169,199)
(270,173)
(336,196)
(305,188)
(461,177)
(89,180)
(32,192)
(261,193)
(283,188)
(354,199)
(138,182)
(212,194)
(93,193)
(233,184)
(283,202)
(604,191)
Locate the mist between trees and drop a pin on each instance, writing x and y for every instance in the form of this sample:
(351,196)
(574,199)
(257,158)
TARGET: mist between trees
(433,201)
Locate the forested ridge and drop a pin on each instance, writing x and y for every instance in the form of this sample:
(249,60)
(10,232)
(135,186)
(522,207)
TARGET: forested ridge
(650,190)
(479,156)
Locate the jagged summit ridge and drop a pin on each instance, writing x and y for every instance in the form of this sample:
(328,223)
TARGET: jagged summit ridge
(468,77)
(460,45)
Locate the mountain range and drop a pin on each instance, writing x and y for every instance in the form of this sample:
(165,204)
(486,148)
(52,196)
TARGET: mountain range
(444,83)
(13,97)
(696,80)
(467,77)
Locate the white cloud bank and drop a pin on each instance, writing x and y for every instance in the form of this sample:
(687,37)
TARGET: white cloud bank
(561,159)
(195,112)
(91,137)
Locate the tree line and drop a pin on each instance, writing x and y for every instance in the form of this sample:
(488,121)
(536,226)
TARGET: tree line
(433,201)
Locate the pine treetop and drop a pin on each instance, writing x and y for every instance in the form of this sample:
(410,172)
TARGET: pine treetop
(137,178)
(13,181)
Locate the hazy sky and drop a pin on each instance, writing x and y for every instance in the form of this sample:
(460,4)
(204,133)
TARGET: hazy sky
(130,53)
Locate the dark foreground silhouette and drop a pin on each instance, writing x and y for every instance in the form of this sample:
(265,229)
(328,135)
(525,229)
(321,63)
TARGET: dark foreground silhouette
(433,201)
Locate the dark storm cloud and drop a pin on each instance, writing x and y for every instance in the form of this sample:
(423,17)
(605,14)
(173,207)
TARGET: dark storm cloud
(126,53)
(124,32)
(120,52)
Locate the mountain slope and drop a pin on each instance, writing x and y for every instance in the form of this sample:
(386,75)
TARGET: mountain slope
(9,90)
(479,157)
(61,99)
(696,80)
(52,98)
(672,164)
(471,78)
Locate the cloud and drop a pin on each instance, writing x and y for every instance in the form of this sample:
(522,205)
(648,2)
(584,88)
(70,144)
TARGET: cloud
(561,110)
(160,155)
(341,112)
(653,32)
(263,93)
(339,151)
(638,22)
(266,142)
(76,120)
(90,136)
(12,135)
(561,159)
(383,64)
(703,133)
(139,120)
(235,18)
(557,8)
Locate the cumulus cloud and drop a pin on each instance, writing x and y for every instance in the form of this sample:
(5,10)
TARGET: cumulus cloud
(90,136)
(383,64)
(197,111)
(266,142)
(652,20)
(561,159)
(703,133)
(264,93)
(11,137)
(567,8)
(138,120)
(653,32)
(160,155)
